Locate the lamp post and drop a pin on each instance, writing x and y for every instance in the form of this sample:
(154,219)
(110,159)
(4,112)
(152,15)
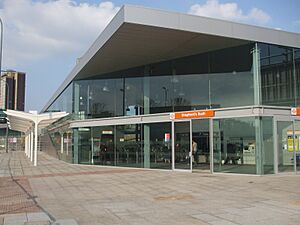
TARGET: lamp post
(1,44)
(6,107)
(166,95)
(1,47)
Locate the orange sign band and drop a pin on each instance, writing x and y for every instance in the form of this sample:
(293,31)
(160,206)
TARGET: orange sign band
(192,114)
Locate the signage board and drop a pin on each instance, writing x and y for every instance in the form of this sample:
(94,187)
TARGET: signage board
(167,137)
(107,132)
(196,114)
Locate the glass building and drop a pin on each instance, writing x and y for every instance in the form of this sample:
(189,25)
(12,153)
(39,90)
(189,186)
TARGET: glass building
(132,98)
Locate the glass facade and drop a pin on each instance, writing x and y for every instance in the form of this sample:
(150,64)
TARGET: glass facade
(201,145)
(58,143)
(246,75)
(297,145)
(215,79)
(235,148)
(267,145)
(280,75)
(285,146)
(132,145)
(182,145)
(64,103)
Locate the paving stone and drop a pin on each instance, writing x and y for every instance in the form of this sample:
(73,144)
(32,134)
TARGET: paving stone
(38,223)
(40,216)
(89,195)
(15,219)
(65,222)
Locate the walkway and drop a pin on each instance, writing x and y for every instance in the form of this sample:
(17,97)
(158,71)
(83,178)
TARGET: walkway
(55,192)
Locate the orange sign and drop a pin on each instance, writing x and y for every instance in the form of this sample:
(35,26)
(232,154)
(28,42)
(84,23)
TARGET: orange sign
(295,111)
(192,114)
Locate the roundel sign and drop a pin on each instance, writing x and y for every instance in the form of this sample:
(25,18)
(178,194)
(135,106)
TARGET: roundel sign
(295,111)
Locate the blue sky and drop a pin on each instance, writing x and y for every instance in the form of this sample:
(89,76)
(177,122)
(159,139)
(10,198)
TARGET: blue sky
(43,38)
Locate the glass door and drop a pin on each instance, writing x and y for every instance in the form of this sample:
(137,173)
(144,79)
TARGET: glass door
(285,146)
(182,145)
(200,145)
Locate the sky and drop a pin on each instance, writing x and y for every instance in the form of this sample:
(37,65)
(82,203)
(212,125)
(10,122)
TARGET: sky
(45,37)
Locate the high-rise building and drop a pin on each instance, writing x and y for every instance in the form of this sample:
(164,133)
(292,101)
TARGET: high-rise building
(12,90)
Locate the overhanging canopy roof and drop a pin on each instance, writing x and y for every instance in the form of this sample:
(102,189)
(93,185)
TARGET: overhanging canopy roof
(23,122)
(138,36)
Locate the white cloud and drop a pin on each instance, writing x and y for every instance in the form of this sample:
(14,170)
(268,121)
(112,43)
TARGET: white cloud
(38,30)
(229,11)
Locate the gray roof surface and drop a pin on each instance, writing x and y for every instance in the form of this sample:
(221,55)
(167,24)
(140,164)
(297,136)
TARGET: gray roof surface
(152,35)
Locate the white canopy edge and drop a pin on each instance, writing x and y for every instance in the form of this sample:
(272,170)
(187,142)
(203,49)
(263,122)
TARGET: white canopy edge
(30,124)
(24,122)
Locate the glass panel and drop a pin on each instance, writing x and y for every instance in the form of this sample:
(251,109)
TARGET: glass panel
(234,145)
(100,98)
(134,95)
(103,152)
(161,94)
(182,145)
(157,145)
(190,92)
(277,77)
(64,102)
(268,149)
(285,146)
(200,145)
(231,89)
(84,146)
(128,146)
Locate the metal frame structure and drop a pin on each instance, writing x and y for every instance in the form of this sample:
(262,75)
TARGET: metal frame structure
(30,124)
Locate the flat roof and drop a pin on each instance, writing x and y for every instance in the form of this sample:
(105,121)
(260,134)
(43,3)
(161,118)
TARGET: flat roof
(137,36)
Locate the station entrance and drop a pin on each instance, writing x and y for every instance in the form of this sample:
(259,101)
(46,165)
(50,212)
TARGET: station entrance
(246,140)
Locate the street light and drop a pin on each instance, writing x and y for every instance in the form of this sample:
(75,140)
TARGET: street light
(7,101)
(1,44)
(1,47)
(166,94)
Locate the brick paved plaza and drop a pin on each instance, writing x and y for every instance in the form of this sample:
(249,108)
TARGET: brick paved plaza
(59,193)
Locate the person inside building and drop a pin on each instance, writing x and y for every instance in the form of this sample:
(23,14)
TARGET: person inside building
(194,151)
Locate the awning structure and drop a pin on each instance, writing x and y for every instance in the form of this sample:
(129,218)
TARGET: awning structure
(31,124)
(139,36)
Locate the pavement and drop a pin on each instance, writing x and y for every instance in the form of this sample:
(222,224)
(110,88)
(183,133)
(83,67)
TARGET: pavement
(59,193)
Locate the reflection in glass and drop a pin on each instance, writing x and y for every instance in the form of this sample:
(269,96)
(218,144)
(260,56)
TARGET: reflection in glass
(103,152)
(157,145)
(134,96)
(182,145)
(285,146)
(64,102)
(235,145)
(268,147)
(129,146)
(278,83)
(84,145)
(216,79)
(100,98)
(200,144)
